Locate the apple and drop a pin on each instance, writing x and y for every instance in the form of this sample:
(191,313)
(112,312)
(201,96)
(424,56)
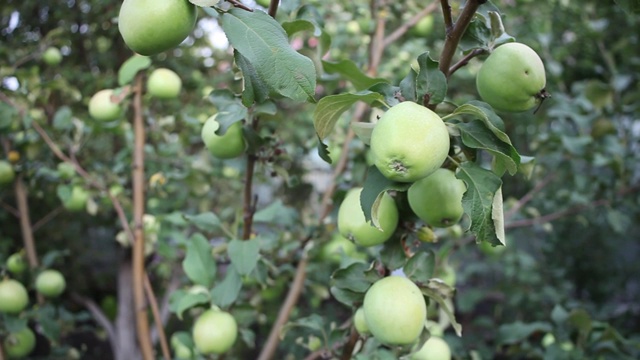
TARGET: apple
(181,349)
(435,348)
(227,146)
(164,84)
(149,27)
(16,263)
(13,156)
(395,310)
(338,247)
(6,172)
(102,108)
(360,322)
(13,296)
(214,332)
(66,170)
(77,201)
(264,3)
(20,343)
(352,224)
(437,199)
(50,283)
(423,27)
(512,78)
(52,56)
(409,142)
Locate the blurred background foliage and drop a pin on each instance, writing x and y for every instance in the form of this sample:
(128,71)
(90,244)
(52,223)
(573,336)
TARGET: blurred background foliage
(570,268)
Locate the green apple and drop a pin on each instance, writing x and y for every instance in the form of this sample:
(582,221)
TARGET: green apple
(77,201)
(214,332)
(16,263)
(512,78)
(50,283)
(338,247)
(360,322)
(13,296)
(435,348)
(437,199)
(409,142)
(264,3)
(149,27)
(395,310)
(352,223)
(52,56)
(164,84)
(227,146)
(490,250)
(447,274)
(423,27)
(6,173)
(66,170)
(19,344)
(102,108)
(182,349)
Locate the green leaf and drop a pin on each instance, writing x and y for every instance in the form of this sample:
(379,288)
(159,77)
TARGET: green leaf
(518,331)
(292,27)
(392,254)
(244,254)
(391,94)
(484,112)
(62,120)
(254,89)
(498,34)
(363,131)
(265,45)
(475,134)
(313,322)
(189,300)
(629,6)
(323,151)
(421,266)
(329,108)
(206,221)
(440,292)
(230,109)
(198,264)
(559,315)
(408,86)
(347,297)
(478,201)
(430,81)
(477,35)
(352,73)
(374,187)
(226,292)
(204,3)
(277,213)
(356,277)
(131,67)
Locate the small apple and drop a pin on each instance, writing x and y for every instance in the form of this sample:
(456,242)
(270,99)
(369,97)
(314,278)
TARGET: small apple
(164,84)
(360,322)
(214,332)
(20,343)
(352,224)
(13,296)
(16,263)
(435,348)
(66,170)
(149,27)
(182,344)
(102,108)
(437,198)
(339,246)
(512,78)
(6,173)
(227,146)
(395,310)
(423,27)
(52,56)
(409,142)
(50,283)
(77,201)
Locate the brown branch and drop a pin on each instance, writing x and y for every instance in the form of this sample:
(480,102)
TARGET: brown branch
(347,351)
(273,8)
(453,37)
(528,196)
(465,60)
(240,5)
(295,290)
(157,319)
(10,209)
(100,318)
(397,33)
(142,321)
(248,208)
(25,222)
(446,14)
(45,219)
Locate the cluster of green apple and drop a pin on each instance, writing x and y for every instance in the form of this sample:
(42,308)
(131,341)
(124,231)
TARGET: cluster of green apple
(14,299)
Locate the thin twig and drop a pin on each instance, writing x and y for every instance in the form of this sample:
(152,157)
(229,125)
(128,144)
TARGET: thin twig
(453,37)
(248,208)
(100,318)
(164,345)
(446,14)
(25,222)
(45,219)
(465,60)
(10,209)
(347,350)
(240,5)
(397,33)
(528,196)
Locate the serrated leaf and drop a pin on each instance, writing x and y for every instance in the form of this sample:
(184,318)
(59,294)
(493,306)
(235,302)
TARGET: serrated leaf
(421,266)
(230,109)
(484,112)
(131,67)
(62,118)
(330,108)
(313,322)
(375,184)
(391,94)
(498,34)
(433,291)
(198,264)
(430,81)
(363,131)
(190,300)
(392,254)
(277,213)
(408,86)
(244,254)
(226,292)
(477,35)
(352,73)
(347,297)
(476,135)
(264,43)
(497,215)
(356,277)
(254,89)
(292,27)
(527,164)
(206,221)
(478,201)
(323,151)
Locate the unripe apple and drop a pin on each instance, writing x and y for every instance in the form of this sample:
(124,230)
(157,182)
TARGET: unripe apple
(423,27)
(435,348)
(512,78)
(77,201)
(102,108)
(214,332)
(50,283)
(6,172)
(360,322)
(66,170)
(164,84)
(16,263)
(227,146)
(395,310)
(20,343)
(409,142)
(352,223)
(13,296)
(52,56)
(149,27)
(437,199)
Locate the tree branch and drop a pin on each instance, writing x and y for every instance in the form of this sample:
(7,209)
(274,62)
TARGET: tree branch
(164,345)
(465,60)
(453,37)
(446,14)
(397,33)
(528,196)
(100,318)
